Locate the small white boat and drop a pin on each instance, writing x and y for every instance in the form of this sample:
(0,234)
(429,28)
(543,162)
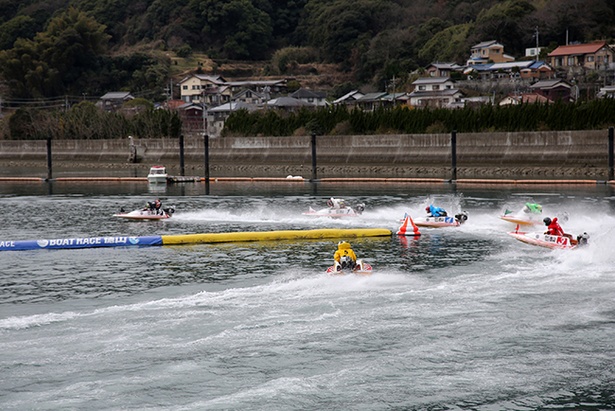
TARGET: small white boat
(361,268)
(146,214)
(437,222)
(157,175)
(550,241)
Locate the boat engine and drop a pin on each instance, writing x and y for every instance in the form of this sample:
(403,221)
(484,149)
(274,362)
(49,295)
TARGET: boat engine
(169,210)
(360,208)
(582,239)
(462,217)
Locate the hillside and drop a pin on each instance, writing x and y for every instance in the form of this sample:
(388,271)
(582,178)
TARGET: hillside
(87,47)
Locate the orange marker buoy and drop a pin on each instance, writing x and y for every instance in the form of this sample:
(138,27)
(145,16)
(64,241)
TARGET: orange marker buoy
(403,230)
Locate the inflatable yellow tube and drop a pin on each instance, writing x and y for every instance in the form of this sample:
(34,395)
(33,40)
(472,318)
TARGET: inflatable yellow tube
(273,235)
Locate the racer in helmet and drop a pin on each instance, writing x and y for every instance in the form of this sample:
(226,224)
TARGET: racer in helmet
(553,227)
(344,254)
(433,211)
(532,208)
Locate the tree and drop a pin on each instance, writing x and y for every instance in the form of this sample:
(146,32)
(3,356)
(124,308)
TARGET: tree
(56,60)
(235,28)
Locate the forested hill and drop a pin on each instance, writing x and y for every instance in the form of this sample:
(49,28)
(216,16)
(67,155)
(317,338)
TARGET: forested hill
(56,47)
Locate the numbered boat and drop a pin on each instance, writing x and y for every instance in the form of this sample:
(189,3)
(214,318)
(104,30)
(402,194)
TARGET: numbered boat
(436,222)
(550,241)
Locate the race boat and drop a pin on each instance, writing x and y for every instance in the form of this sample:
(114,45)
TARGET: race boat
(343,268)
(522,218)
(157,175)
(337,209)
(530,214)
(436,222)
(550,241)
(146,214)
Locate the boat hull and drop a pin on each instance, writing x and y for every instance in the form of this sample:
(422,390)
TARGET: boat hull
(545,240)
(437,222)
(332,213)
(362,268)
(521,220)
(143,215)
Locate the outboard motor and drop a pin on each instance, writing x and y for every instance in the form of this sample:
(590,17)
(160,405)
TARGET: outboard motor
(169,210)
(346,262)
(360,208)
(462,217)
(582,239)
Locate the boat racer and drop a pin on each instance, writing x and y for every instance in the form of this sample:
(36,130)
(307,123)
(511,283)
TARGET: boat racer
(345,255)
(553,227)
(336,203)
(532,208)
(433,211)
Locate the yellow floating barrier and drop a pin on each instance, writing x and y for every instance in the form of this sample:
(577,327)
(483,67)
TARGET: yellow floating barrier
(274,235)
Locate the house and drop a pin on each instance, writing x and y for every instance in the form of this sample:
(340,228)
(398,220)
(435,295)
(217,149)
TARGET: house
(316,98)
(250,97)
(192,116)
(194,87)
(114,100)
(287,104)
(216,90)
(528,98)
(442,69)
(370,101)
(349,98)
(591,56)
(528,69)
(606,92)
(216,116)
(434,92)
(488,52)
(554,90)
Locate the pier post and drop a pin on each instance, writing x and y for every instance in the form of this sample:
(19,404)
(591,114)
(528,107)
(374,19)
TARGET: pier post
(49,168)
(453,156)
(181,155)
(206,157)
(313,143)
(611,154)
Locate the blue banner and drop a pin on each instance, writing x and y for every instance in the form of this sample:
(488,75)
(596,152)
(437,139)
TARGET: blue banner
(86,242)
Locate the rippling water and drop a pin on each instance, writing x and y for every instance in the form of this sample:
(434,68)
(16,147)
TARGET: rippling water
(458,319)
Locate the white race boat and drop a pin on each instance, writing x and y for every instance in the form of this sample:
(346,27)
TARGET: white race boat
(550,241)
(146,214)
(157,175)
(337,209)
(436,222)
(343,268)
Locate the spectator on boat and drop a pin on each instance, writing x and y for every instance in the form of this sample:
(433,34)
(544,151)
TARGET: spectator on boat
(532,208)
(344,252)
(433,211)
(553,227)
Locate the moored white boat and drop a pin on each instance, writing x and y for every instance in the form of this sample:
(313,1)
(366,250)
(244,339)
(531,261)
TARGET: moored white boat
(157,175)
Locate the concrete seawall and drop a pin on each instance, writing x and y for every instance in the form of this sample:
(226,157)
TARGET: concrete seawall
(531,155)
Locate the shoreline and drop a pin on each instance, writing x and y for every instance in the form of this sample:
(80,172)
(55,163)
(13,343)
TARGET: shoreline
(295,180)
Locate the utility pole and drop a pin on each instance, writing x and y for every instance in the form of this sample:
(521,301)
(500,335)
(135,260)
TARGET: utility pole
(537,43)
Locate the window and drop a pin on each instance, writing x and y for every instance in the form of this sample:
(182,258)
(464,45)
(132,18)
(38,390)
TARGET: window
(590,59)
(435,87)
(422,88)
(570,61)
(184,87)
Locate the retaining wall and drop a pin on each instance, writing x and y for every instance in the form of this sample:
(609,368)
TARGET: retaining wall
(562,154)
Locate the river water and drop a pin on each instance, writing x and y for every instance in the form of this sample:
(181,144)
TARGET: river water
(461,318)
